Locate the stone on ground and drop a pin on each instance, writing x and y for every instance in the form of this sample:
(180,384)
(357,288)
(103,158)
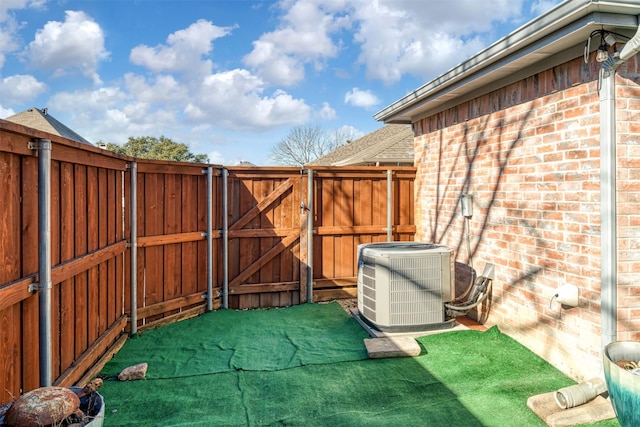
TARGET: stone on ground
(135,372)
(379,348)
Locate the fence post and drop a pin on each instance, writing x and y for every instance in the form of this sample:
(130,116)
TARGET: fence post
(225,238)
(304,247)
(310,235)
(133,226)
(389,205)
(44,259)
(209,172)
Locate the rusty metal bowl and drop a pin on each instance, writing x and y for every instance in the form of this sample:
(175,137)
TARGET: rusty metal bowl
(53,402)
(42,407)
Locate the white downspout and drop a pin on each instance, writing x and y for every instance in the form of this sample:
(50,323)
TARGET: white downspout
(608,211)
(608,236)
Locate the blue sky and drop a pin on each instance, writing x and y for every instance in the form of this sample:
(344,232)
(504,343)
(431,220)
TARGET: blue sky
(231,78)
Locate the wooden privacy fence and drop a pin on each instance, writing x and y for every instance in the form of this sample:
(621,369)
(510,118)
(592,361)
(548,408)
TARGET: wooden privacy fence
(205,237)
(87,257)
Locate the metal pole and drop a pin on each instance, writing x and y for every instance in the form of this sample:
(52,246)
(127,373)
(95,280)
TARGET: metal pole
(310,236)
(44,261)
(608,237)
(133,223)
(209,238)
(389,205)
(225,238)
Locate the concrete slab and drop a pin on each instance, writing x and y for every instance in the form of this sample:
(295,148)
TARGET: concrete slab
(545,407)
(451,325)
(379,348)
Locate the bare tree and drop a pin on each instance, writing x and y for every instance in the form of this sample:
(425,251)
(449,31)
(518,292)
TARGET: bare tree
(304,144)
(344,135)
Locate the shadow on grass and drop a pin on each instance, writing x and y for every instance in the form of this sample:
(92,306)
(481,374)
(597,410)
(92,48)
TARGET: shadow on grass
(307,365)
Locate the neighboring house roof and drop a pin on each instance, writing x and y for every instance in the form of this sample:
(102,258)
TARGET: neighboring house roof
(391,144)
(40,119)
(549,40)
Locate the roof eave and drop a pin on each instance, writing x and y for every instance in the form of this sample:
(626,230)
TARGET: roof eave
(548,40)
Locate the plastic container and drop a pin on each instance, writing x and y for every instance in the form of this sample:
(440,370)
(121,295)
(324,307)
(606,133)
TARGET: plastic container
(579,394)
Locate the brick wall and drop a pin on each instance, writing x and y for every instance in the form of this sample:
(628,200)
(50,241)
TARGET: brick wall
(529,155)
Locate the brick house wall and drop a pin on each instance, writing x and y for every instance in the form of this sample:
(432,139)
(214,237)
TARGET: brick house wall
(529,153)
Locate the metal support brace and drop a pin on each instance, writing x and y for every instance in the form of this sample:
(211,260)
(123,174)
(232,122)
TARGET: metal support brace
(310,236)
(133,226)
(209,172)
(40,144)
(43,147)
(225,238)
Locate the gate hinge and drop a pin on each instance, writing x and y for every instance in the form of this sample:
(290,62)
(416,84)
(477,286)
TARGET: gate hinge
(37,286)
(214,294)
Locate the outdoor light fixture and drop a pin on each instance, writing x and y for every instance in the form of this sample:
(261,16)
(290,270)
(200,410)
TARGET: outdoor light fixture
(607,40)
(602,54)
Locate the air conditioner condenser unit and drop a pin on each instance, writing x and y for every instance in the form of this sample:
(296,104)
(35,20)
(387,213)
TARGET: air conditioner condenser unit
(402,286)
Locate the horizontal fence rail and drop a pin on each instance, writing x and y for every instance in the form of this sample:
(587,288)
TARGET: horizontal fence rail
(206,237)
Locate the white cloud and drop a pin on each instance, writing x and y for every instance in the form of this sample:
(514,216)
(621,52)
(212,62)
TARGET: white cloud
(422,38)
(77,44)
(88,100)
(541,6)
(216,158)
(8,42)
(326,112)
(274,65)
(20,88)
(9,26)
(361,98)
(156,89)
(234,99)
(394,37)
(279,57)
(184,52)
(7,5)
(6,112)
(107,114)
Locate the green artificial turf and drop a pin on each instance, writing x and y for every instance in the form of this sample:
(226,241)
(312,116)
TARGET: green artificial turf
(251,340)
(307,365)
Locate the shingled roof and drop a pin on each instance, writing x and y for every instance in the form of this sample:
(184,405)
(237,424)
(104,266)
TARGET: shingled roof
(40,119)
(389,145)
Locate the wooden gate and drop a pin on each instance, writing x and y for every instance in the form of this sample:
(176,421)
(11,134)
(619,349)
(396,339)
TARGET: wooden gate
(266,259)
